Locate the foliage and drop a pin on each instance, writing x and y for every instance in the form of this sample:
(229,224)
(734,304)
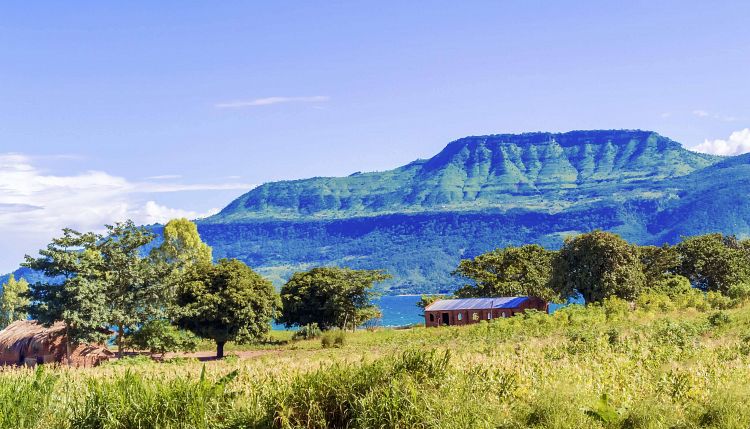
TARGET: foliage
(78,299)
(330,296)
(226,302)
(13,301)
(512,271)
(426,300)
(659,264)
(310,331)
(713,262)
(671,285)
(597,265)
(131,286)
(333,338)
(159,337)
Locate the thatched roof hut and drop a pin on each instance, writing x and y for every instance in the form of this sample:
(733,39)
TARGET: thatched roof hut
(30,342)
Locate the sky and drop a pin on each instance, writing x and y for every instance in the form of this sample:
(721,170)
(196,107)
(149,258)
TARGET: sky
(154,110)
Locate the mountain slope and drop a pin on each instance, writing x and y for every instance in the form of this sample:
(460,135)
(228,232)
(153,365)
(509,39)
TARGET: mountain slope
(498,171)
(417,221)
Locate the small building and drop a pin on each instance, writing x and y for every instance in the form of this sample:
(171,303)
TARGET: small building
(473,310)
(27,342)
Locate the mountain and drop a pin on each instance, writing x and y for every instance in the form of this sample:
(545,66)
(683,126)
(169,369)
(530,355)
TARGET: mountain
(533,170)
(479,193)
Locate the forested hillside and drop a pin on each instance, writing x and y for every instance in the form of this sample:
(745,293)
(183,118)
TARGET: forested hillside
(418,221)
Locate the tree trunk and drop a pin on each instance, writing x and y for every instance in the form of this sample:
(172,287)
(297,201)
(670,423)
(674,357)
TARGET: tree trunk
(120,334)
(67,346)
(220,349)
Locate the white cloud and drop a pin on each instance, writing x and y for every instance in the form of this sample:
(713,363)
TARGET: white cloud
(271,100)
(156,213)
(35,206)
(738,143)
(164,177)
(700,113)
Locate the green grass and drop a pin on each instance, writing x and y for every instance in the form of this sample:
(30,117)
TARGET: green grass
(602,367)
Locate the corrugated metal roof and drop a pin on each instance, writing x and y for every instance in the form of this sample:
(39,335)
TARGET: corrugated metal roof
(477,303)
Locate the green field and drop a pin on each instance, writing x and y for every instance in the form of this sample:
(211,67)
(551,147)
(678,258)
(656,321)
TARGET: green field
(664,364)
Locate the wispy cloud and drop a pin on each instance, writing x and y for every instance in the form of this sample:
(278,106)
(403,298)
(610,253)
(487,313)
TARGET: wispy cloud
(267,101)
(164,177)
(719,117)
(737,143)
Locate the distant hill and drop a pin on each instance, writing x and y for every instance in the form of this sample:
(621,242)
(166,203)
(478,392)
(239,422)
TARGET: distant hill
(417,221)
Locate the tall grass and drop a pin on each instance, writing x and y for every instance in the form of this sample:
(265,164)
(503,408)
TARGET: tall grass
(607,366)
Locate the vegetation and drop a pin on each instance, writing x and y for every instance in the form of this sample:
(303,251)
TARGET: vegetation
(330,297)
(513,271)
(159,336)
(600,366)
(226,302)
(13,301)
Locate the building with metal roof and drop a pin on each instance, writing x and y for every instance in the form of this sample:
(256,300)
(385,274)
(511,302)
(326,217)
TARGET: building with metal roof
(465,311)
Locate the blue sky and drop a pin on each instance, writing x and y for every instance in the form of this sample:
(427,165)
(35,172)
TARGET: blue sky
(162,109)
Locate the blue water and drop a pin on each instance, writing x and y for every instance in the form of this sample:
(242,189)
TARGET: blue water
(397,310)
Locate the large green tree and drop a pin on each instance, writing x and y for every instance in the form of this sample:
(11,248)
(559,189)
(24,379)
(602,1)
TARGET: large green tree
(182,245)
(713,262)
(659,263)
(226,302)
(133,289)
(74,292)
(13,301)
(512,271)
(330,296)
(597,265)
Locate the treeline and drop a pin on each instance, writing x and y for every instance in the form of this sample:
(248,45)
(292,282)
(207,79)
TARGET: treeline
(598,265)
(161,295)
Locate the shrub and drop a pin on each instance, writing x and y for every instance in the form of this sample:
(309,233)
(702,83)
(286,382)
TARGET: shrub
(719,318)
(739,292)
(655,301)
(160,337)
(333,338)
(718,301)
(615,308)
(308,332)
(673,286)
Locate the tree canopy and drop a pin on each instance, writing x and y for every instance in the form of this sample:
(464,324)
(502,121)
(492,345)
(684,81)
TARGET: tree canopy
(13,301)
(512,271)
(597,265)
(226,302)
(331,297)
(713,262)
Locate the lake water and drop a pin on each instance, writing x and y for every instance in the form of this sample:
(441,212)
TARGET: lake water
(397,310)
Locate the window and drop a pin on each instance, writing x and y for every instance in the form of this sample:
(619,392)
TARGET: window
(503,314)
(460,316)
(432,317)
(475,316)
(489,315)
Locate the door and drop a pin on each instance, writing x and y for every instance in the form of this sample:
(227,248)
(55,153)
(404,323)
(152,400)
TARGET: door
(446,319)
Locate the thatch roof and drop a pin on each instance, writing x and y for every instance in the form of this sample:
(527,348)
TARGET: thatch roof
(28,339)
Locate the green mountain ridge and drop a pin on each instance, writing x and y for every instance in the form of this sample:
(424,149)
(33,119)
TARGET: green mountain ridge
(532,170)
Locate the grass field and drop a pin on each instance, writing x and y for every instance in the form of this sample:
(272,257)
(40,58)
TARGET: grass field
(604,366)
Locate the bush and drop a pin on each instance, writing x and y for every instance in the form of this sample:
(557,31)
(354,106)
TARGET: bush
(718,301)
(615,308)
(333,338)
(739,292)
(719,318)
(655,301)
(308,332)
(673,286)
(160,337)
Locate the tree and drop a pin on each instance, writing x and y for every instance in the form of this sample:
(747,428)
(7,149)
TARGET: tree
(182,245)
(512,271)
(597,265)
(159,337)
(77,298)
(329,296)
(659,263)
(426,300)
(13,300)
(713,262)
(225,302)
(132,288)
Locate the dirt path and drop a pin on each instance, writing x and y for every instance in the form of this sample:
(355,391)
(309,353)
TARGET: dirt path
(208,355)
